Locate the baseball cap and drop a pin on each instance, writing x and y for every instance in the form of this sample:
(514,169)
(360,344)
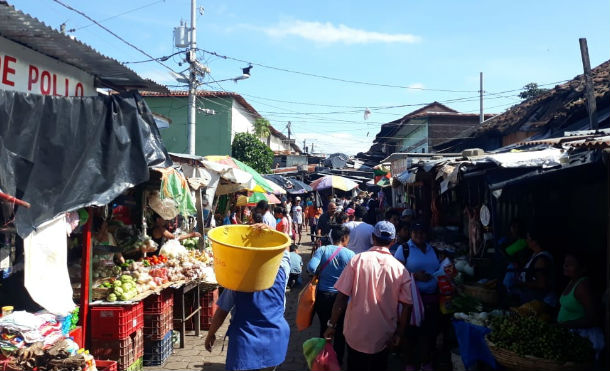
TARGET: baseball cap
(350,211)
(298,198)
(385,230)
(407,212)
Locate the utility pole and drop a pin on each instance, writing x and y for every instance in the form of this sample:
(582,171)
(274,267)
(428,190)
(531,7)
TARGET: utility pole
(481,115)
(589,92)
(192,58)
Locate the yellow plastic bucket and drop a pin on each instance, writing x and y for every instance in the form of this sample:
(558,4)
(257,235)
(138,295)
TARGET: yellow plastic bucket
(247,259)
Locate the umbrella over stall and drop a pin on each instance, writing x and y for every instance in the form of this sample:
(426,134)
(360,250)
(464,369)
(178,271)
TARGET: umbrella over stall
(292,186)
(255,197)
(335,182)
(261,183)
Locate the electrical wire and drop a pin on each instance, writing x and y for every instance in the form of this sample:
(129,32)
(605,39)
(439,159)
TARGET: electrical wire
(325,77)
(116,16)
(112,33)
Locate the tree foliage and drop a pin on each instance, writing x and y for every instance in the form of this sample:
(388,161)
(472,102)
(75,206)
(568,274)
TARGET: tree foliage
(531,90)
(261,128)
(249,149)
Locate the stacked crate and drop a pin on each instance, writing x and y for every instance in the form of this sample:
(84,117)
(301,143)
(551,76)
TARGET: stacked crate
(158,325)
(208,308)
(117,334)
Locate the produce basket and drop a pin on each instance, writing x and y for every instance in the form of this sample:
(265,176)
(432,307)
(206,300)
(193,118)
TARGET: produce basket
(99,293)
(511,361)
(486,295)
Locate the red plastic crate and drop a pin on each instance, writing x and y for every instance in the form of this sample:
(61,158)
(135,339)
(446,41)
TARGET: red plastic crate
(125,351)
(116,322)
(208,308)
(209,298)
(157,325)
(106,365)
(156,304)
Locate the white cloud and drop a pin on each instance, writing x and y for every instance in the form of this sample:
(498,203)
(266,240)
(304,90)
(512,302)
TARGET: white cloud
(328,33)
(335,142)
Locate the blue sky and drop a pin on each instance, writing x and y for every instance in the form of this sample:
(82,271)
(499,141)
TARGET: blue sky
(440,45)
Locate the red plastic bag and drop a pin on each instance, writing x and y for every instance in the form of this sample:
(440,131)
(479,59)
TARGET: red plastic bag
(326,360)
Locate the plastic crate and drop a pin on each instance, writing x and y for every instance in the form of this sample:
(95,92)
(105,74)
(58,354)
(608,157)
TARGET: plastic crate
(208,308)
(156,352)
(157,304)
(116,322)
(157,325)
(138,365)
(125,351)
(106,365)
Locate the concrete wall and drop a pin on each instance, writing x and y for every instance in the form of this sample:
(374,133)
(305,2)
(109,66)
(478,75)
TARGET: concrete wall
(242,120)
(213,135)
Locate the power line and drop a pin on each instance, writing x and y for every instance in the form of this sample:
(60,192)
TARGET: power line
(333,78)
(163,59)
(112,33)
(116,16)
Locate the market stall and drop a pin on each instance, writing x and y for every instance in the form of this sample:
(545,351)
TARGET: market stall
(495,214)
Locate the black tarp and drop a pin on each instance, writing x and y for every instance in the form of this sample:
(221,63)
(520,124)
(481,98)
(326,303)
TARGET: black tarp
(60,154)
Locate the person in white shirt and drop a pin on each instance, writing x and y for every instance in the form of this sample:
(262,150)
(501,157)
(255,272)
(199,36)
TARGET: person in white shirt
(297,219)
(268,218)
(360,233)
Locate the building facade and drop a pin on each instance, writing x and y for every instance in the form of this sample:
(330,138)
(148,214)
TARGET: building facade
(220,116)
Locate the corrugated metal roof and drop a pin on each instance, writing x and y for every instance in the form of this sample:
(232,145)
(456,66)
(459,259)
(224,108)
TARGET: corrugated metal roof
(578,141)
(34,34)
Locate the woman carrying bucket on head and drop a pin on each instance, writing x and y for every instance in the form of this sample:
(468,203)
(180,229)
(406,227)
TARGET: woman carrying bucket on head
(258,333)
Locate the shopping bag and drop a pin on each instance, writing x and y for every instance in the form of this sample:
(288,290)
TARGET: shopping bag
(326,360)
(307,300)
(320,355)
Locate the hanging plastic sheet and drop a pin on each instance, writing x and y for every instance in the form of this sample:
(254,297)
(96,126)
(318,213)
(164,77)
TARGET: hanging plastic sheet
(60,154)
(46,267)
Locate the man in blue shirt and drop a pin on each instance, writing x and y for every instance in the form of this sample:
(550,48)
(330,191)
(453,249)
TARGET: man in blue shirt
(296,267)
(329,261)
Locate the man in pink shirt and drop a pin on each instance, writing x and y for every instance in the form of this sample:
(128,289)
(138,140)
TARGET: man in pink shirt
(375,283)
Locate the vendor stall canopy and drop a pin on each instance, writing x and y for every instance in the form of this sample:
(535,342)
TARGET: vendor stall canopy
(34,34)
(61,154)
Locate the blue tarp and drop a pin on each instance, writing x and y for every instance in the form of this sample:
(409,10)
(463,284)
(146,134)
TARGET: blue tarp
(473,348)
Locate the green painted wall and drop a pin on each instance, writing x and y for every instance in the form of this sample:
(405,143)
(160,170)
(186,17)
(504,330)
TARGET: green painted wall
(213,131)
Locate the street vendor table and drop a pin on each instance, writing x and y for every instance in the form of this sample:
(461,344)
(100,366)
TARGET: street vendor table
(179,295)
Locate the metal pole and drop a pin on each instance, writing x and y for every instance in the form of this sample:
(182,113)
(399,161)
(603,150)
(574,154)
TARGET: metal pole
(481,115)
(192,81)
(589,93)
(84,277)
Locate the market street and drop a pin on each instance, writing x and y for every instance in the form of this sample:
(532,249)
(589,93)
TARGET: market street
(288,186)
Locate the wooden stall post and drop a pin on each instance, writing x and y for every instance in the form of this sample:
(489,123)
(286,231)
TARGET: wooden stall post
(85,273)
